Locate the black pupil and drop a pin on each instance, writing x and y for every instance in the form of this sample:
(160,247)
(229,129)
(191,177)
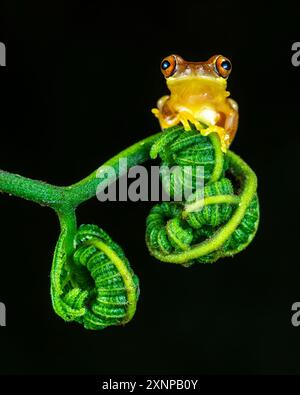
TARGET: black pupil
(165,64)
(226,65)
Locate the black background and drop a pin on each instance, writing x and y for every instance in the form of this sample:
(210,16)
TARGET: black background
(79,85)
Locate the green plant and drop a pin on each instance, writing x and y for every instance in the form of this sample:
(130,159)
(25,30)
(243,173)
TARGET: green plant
(221,224)
(91,279)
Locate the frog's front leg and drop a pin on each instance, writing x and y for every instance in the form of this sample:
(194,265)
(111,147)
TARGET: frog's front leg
(231,121)
(166,115)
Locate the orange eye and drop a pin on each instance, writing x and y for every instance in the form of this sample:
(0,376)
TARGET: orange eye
(168,66)
(223,66)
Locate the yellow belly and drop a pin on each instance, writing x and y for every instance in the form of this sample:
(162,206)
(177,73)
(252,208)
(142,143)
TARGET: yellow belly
(207,115)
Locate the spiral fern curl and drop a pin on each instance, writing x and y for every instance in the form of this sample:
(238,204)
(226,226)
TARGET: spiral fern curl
(97,287)
(92,282)
(187,151)
(203,229)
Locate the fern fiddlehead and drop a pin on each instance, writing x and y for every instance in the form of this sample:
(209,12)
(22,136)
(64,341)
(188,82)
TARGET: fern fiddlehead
(96,286)
(187,150)
(222,223)
(92,282)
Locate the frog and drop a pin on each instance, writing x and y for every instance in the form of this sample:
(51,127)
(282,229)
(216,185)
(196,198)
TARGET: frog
(198,97)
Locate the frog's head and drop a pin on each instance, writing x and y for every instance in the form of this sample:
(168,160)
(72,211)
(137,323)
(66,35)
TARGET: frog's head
(208,77)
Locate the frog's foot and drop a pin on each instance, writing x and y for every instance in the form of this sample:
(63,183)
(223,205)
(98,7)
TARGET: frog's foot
(156,112)
(187,119)
(167,116)
(221,133)
(165,121)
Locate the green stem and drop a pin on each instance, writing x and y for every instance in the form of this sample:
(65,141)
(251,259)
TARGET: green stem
(62,254)
(210,200)
(61,197)
(68,226)
(34,190)
(219,157)
(124,272)
(87,188)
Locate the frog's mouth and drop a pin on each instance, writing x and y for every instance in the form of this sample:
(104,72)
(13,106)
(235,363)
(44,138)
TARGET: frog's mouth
(196,78)
(197,85)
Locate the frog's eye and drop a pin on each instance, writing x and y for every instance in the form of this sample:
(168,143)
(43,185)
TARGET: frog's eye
(223,66)
(168,66)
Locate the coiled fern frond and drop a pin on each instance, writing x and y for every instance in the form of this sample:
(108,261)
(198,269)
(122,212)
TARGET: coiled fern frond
(91,279)
(222,221)
(97,286)
(187,151)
